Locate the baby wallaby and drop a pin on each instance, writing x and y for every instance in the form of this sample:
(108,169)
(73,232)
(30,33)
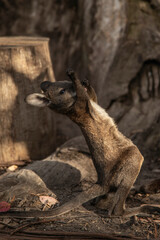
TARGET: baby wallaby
(116,159)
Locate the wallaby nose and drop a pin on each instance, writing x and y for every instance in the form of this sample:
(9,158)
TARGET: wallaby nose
(44,85)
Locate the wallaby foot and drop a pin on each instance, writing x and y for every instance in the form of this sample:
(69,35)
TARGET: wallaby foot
(143,210)
(118,209)
(114,202)
(118,204)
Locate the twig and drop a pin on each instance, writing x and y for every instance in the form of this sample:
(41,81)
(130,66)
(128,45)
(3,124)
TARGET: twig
(31,224)
(6,225)
(155,230)
(78,235)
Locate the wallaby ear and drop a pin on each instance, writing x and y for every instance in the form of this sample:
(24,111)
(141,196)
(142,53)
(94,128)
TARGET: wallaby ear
(37,99)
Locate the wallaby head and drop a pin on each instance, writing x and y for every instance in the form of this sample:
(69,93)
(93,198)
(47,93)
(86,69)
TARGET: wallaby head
(59,96)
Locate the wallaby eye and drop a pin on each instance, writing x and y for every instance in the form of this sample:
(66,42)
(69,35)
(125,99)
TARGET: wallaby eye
(62,91)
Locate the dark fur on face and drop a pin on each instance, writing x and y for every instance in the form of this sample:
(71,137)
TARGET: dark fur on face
(61,96)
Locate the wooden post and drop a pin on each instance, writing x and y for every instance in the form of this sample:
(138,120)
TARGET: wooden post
(25,131)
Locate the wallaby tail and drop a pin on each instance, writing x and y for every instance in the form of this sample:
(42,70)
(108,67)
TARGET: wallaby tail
(85,196)
(145,209)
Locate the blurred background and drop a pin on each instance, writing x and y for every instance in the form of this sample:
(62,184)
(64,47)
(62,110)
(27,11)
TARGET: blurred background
(114,43)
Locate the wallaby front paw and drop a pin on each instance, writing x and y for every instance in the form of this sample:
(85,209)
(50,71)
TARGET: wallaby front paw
(70,73)
(85,82)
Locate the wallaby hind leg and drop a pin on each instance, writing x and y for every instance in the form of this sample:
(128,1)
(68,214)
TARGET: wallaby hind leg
(118,204)
(122,180)
(114,202)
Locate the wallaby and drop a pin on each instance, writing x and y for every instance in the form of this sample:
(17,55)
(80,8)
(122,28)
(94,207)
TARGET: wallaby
(115,157)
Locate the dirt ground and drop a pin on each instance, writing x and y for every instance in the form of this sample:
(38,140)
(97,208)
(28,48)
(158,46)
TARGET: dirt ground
(87,219)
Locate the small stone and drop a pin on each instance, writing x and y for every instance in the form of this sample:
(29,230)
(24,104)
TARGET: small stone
(12,168)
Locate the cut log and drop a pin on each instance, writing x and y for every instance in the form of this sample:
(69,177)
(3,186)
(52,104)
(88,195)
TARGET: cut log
(25,132)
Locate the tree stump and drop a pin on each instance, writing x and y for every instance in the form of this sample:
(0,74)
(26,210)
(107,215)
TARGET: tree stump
(25,132)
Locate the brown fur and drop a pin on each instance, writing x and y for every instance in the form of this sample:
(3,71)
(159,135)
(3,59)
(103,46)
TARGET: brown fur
(116,159)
